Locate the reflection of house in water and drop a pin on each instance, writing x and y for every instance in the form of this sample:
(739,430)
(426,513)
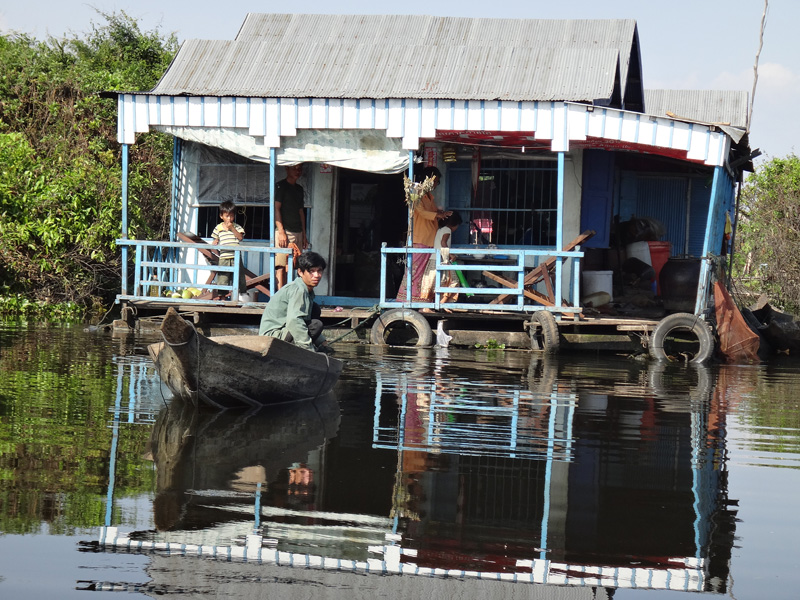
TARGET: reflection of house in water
(614,483)
(626,487)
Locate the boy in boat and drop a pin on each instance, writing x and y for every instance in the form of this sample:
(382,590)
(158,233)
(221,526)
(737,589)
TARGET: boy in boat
(289,314)
(227,233)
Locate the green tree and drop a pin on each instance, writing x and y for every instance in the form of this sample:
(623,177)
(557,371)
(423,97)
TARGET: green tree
(768,233)
(60,165)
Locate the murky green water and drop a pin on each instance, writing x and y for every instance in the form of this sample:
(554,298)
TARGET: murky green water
(491,474)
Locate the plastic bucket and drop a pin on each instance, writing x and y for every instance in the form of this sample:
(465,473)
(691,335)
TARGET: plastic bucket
(659,255)
(597,281)
(640,250)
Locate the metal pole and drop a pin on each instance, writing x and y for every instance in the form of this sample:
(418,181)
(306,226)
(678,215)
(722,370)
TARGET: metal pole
(124,233)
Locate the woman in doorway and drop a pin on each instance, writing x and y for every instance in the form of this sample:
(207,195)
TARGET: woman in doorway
(441,244)
(425,224)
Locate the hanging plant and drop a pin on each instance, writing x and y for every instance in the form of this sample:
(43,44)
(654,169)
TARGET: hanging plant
(416,190)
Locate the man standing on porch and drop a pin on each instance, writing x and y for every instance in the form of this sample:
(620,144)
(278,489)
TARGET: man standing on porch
(290,218)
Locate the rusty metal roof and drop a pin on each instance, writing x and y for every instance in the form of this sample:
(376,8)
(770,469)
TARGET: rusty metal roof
(374,56)
(717,107)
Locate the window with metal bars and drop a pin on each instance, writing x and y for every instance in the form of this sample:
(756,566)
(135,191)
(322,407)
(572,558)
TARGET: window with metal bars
(514,202)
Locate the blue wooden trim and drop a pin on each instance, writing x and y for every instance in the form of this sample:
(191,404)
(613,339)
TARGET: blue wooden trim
(273,241)
(176,165)
(705,266)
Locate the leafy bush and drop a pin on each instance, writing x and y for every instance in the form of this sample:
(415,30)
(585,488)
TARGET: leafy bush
(60,164)
(768,233)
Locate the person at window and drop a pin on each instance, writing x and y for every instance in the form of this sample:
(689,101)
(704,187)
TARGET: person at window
(290,219)
(425,223)
(290,312)
(227,233)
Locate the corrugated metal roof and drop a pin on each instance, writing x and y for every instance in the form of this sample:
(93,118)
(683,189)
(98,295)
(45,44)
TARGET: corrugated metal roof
(705,106)
(331,70)
(391,56)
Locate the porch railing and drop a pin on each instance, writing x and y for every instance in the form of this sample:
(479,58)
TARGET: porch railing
(511,264)
(160,266)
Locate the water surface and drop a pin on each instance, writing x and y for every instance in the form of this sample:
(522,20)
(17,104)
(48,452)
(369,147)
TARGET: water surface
(481,473)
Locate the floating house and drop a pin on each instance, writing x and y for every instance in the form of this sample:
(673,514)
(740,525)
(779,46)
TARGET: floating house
(561,164)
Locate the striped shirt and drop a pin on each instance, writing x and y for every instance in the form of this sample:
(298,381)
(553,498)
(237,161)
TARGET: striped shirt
(226,238)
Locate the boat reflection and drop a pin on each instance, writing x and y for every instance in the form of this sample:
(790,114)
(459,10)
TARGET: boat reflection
(603,476)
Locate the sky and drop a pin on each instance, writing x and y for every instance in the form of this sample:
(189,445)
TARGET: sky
(685,44)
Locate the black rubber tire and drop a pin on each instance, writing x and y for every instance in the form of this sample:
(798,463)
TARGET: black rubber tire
(544,338)
(692,332)
(406,316)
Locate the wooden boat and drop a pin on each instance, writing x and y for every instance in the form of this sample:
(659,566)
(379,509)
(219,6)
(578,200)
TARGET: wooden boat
(238,370)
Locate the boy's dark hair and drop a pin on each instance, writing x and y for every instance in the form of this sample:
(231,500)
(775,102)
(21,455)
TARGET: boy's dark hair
(227,207)
(310,260)
(453,220)
(427,172)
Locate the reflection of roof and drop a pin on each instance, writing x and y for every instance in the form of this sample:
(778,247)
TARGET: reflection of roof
(682,574)
(385,56)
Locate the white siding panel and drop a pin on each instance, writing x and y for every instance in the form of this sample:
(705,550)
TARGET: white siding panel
(459,116)
(680,136)
(595,127)
(509,116)
(647,131)
(303,113)
(577,122)
(381,114)
(366,115)
(560,137)
(544,122)
(412,123)
(699,144)
(350,115)
(227,117)
(181,112)
(273,123)
(394,127)
(527,118)
(319,114)
(717,149)
(475,116)
(335,114)
(491,118)
(211,111)
(153,110)
(242,112)
(195,112)
(142,116)
(630,127)
(258,126)
(663,133)
(428,119)
(612,125)
(288,116)
(125,125)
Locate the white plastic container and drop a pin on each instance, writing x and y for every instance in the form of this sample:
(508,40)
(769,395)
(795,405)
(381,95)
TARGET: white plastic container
(640,250)
(597,281)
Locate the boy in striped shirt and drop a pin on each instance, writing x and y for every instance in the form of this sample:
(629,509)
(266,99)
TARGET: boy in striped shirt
(227,233)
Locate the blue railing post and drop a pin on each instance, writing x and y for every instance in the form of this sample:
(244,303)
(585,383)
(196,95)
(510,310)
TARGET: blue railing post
(124,232)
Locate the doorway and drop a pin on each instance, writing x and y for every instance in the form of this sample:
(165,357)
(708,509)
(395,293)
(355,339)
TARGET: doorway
(371,211)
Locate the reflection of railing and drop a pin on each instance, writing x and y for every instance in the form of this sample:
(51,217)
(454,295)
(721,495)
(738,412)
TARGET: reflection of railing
(160,265)
(509,263)
(514,424)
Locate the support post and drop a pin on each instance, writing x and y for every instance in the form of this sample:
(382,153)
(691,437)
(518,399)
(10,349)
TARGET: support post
(124,233)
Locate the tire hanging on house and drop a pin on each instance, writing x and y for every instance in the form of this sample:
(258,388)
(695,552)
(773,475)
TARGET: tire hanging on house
(396,322)
(682,337)
(544,338)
